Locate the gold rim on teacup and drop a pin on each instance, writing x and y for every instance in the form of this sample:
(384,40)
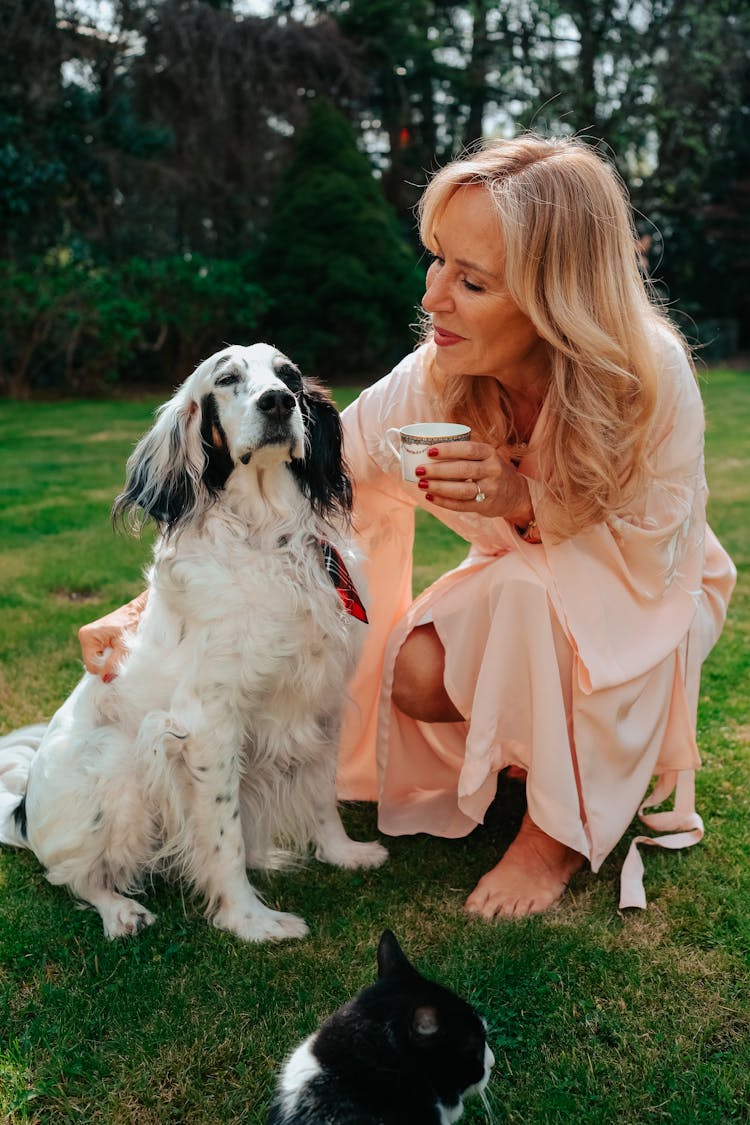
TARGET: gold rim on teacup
(417,437)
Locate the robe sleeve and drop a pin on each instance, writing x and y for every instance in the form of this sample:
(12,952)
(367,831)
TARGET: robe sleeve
(384,508)
(384,534)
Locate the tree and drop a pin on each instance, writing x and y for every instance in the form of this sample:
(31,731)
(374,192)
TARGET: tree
(430,64)
(232,92)
(32,165)
(164,132)
(65,132)
(342,280)
(698,191)
(658,84)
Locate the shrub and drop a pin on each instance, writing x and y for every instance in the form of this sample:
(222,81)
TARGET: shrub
(196,305)
(343,282)
(78,327)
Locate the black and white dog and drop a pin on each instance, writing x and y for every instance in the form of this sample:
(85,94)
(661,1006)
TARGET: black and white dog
(216,741)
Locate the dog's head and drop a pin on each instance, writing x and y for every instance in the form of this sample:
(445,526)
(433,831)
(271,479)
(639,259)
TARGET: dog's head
(244,406)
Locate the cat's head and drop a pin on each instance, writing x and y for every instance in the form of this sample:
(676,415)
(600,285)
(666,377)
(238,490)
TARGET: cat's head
(403,1049)
(443,1034)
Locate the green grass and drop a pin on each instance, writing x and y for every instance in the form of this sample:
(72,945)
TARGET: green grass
(594,1016)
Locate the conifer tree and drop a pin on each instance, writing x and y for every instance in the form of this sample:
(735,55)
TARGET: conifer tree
(343,280)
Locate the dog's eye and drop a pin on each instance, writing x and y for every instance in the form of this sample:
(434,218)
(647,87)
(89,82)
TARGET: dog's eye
(290,375)
(229,379)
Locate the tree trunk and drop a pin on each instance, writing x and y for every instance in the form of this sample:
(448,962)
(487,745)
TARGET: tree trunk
(477,73)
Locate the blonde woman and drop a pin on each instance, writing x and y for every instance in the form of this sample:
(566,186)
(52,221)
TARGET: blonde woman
(568,645)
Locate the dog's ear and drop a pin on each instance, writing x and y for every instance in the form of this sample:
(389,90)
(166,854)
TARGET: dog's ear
(164,476)
(322,474)
(218,460)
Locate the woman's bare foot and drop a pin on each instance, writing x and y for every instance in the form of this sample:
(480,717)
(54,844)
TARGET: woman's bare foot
(529,879)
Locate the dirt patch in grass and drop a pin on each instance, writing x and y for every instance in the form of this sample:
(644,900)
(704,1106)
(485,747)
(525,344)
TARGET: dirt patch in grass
(81,597)
(109,435)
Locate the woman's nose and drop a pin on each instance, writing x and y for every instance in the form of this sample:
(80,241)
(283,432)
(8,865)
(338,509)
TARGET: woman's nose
(437,296)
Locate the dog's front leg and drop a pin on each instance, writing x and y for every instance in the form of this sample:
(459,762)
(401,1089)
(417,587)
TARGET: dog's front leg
(217,862)
(332,844)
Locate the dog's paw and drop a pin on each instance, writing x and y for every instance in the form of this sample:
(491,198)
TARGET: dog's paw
(265,925)
(125,918)
(355,853)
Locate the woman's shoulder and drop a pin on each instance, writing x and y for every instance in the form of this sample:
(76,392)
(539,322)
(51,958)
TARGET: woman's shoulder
(412,368)
(679,415)
(677,377)
(671,349)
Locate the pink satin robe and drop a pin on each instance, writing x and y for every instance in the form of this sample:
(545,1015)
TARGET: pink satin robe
(577,660)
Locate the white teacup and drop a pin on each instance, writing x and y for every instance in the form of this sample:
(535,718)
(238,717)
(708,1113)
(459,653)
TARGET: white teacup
(416,439)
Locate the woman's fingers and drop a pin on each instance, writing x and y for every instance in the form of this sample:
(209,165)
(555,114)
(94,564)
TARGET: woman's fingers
(101,650)
(458,490)
(461,496)
(480,481)
(456,470)
(457,459)
(457,478)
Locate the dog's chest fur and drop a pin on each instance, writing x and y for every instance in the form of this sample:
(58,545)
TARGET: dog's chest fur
(246,596)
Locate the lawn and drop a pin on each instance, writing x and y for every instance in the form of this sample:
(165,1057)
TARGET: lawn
(594,1015)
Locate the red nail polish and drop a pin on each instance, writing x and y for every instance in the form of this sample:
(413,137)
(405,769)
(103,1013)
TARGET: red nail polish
(429,496)
(420,470)
(433,452)
(423,484)
(108,678)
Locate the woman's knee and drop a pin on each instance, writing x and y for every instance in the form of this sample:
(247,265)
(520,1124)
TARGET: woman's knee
(418,684)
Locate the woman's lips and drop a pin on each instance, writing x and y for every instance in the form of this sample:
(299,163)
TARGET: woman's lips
(445,339)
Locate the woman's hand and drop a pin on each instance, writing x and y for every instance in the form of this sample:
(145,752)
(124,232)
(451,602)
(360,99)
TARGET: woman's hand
(103,642)
(459,473)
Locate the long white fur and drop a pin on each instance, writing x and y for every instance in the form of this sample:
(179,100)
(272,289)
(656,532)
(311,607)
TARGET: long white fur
(217,739)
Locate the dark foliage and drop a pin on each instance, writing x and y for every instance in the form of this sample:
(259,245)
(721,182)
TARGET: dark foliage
(159,135)
(231,93)
(342,279)
(78,327)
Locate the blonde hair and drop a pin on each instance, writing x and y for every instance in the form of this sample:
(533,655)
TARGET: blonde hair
(571,267)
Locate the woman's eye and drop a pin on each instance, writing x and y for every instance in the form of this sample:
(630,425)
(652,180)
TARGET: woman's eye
(436,262)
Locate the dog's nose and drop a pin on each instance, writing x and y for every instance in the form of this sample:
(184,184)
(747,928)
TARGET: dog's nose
(277,403)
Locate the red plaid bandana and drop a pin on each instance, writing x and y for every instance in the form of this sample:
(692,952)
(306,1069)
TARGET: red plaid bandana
(341,579)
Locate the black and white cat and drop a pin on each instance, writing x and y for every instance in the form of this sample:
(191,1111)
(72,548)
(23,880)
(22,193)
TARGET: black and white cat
(404,1051)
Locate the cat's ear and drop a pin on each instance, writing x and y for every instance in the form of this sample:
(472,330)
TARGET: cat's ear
(392,961)
(424,1022)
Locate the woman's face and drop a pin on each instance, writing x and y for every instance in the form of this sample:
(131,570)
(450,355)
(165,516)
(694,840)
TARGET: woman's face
(479,329)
